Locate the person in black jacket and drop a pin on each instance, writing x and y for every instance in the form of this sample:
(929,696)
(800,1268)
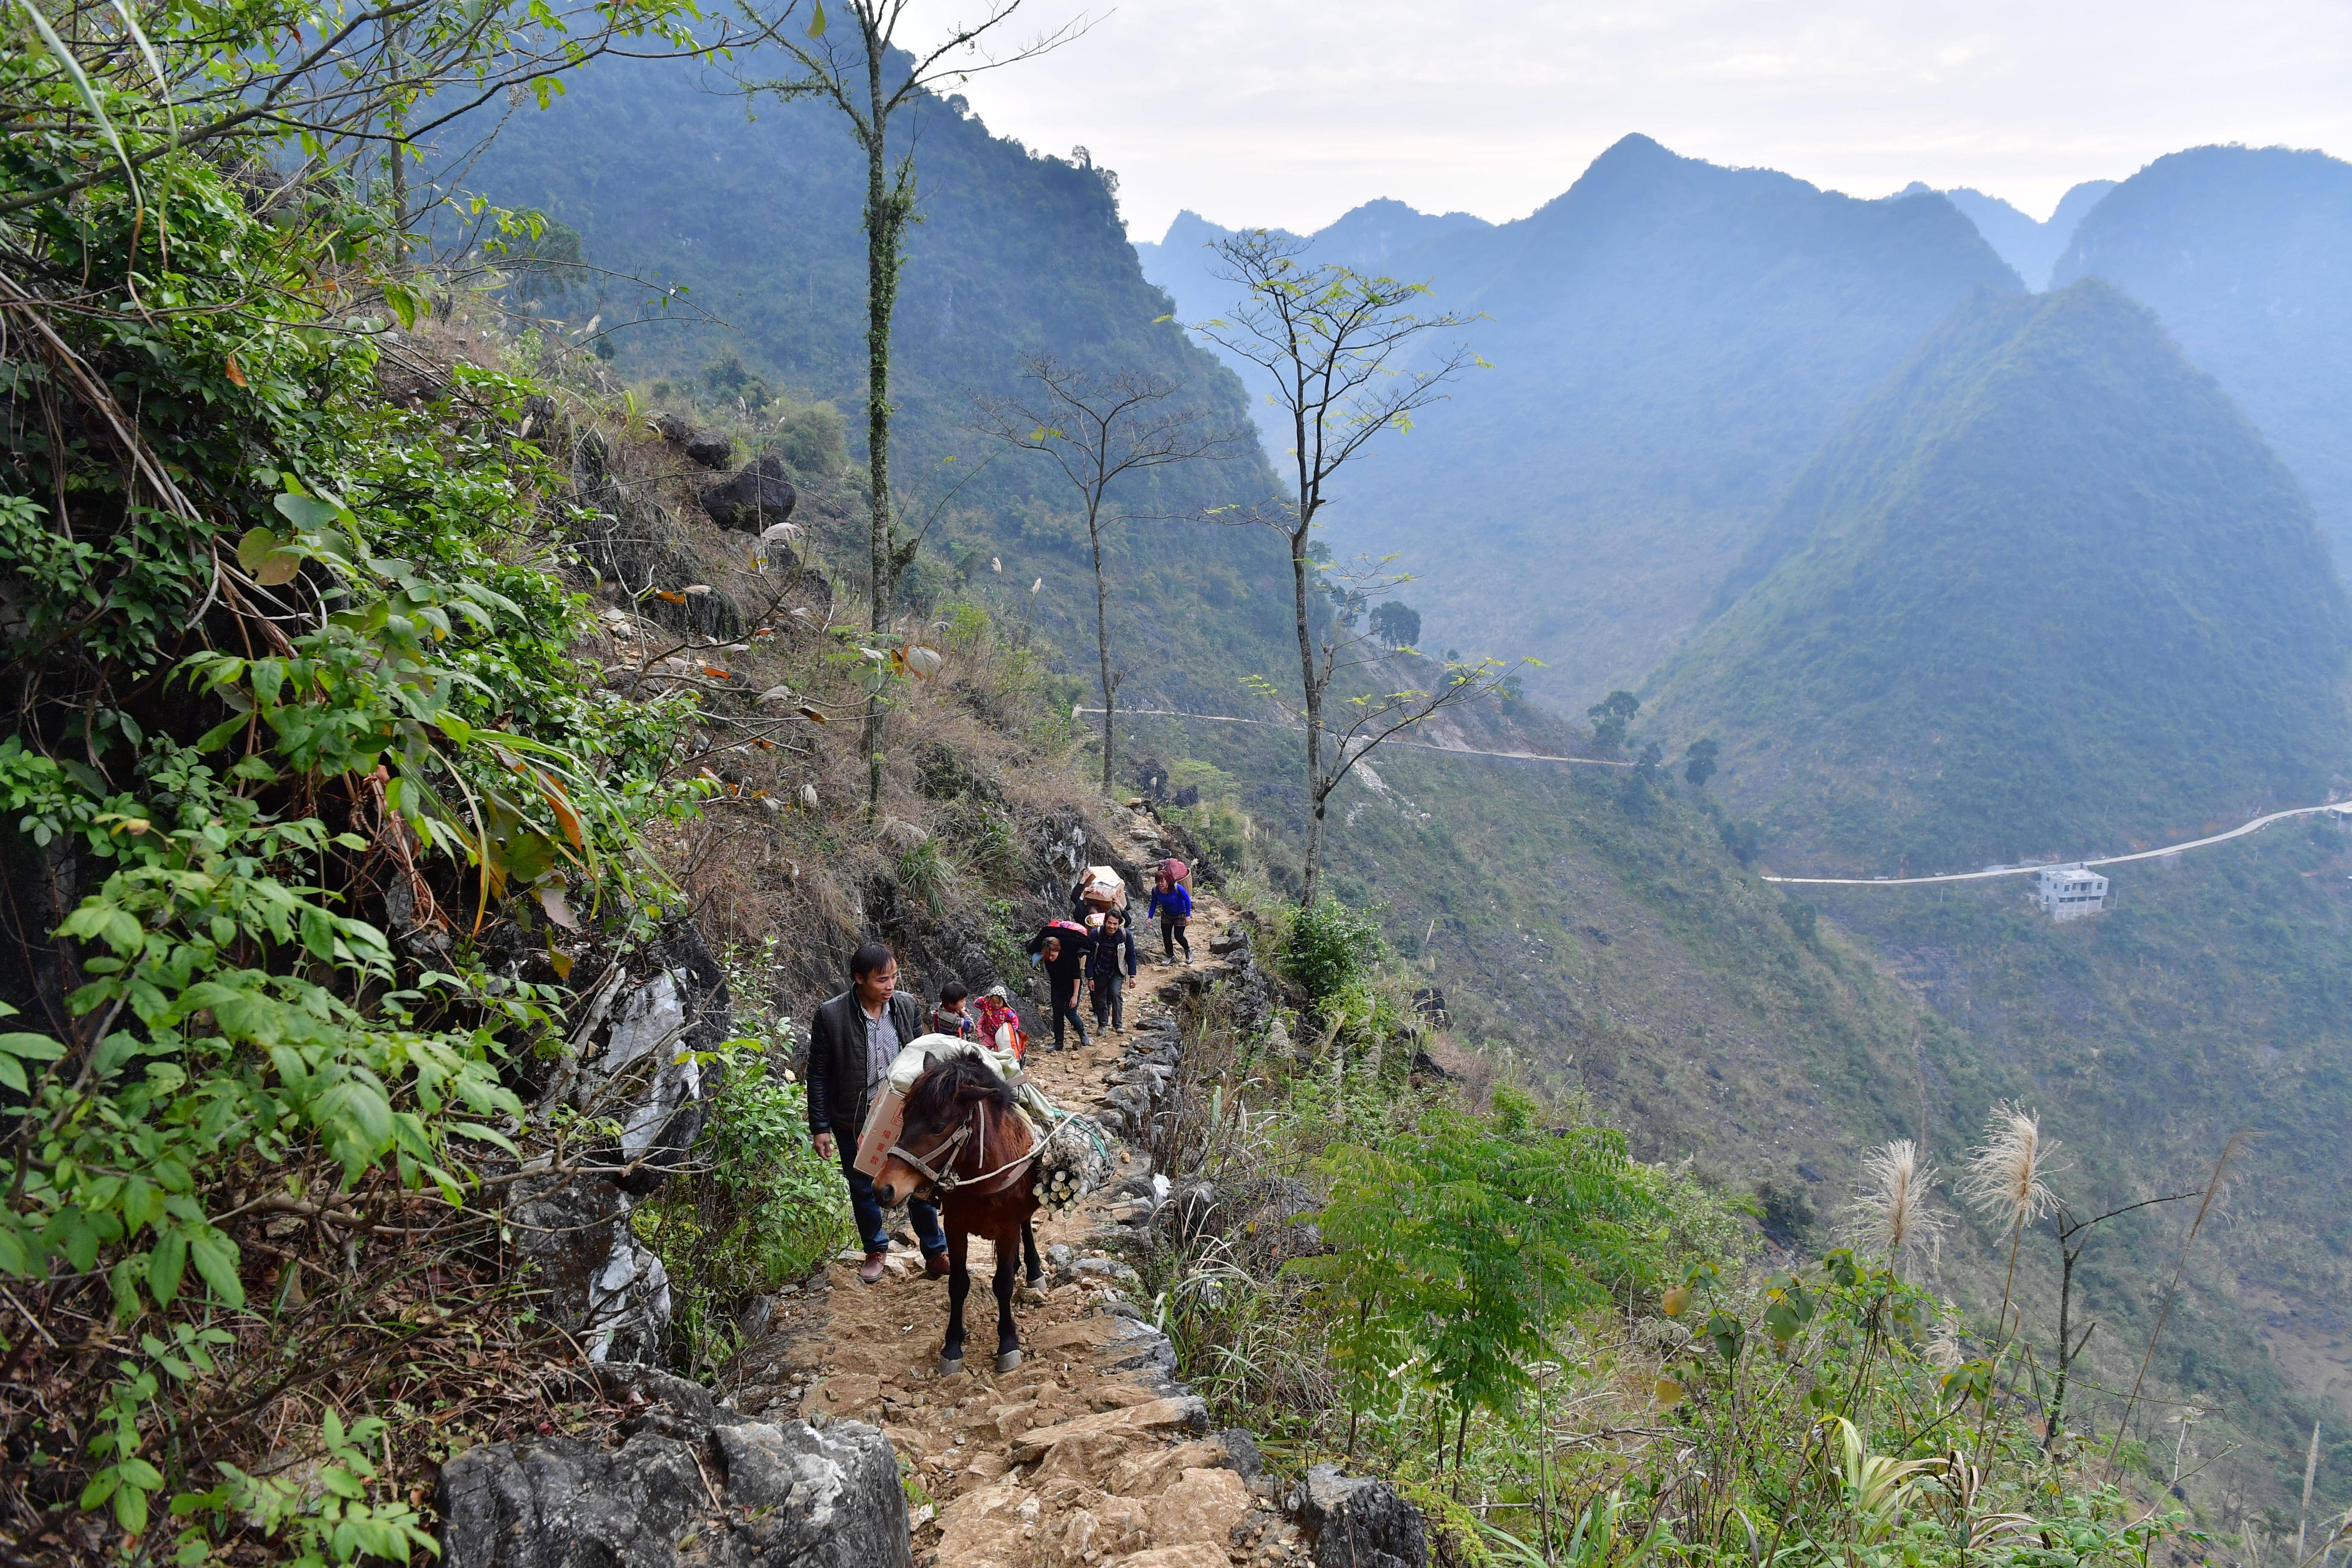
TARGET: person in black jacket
(1109,968)
(852,1042)
(1064,952)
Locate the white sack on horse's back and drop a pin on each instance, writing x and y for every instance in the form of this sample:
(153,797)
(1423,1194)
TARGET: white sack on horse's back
(910,1063)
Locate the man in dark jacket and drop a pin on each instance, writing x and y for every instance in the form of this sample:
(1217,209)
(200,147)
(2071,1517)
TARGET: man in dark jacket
(1061,948)
(852,1041)
(1109,967)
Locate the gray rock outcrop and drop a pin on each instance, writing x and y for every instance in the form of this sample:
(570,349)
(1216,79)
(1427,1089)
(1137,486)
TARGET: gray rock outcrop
(757,497)
(1355,1522)
(690,1483)
(632,1063)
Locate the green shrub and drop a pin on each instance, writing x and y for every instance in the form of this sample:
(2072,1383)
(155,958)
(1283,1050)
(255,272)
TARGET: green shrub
(1329,947)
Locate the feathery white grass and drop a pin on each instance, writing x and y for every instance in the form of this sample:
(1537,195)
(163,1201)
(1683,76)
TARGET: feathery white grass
(2007,1176)
(1894,1215)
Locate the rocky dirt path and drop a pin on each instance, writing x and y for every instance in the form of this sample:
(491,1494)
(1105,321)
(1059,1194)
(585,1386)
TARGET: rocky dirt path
(1089,1453)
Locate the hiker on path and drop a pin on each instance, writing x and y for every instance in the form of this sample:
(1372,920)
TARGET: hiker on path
(852,1041)
(1171,900)
(1109,967)
(1062,950)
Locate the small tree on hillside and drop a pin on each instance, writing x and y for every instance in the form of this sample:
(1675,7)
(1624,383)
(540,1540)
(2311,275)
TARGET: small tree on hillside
(1698,762)
(851,70)
(1340,349)
(1610,715)
(1396,625)
(1099,427)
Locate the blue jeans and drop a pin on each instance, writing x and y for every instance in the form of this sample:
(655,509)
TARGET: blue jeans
(862,1204)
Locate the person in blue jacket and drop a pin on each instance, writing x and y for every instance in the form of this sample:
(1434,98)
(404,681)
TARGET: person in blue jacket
(1109,967)
(1171,900)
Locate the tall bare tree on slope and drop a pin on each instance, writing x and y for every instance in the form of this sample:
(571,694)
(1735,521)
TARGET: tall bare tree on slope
(1343,354)
(850,67)
(1099,427)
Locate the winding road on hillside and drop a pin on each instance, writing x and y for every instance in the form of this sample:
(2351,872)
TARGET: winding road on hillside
(2339,808)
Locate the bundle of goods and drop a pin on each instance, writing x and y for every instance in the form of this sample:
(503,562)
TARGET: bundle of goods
(1103,888)
(1074,1161)
(1175,870)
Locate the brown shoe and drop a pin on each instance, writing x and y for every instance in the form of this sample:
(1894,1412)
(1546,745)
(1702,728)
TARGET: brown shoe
(937,1266)
(870,1273)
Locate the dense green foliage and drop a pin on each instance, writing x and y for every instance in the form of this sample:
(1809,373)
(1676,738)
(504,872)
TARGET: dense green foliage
(1670,342)
(277,652)
(2046,594)
(2241,252)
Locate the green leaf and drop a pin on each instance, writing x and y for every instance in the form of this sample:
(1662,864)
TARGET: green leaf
(816,22)
(304,512)
(166,1263)
(215,1256)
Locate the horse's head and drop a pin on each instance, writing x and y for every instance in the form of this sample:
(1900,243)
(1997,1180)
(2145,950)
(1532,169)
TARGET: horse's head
(950,1123)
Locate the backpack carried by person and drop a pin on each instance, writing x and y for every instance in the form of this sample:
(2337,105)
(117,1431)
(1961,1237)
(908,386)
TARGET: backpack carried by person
(1175,870)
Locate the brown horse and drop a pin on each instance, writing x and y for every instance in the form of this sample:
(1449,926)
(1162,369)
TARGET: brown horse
(964,1147)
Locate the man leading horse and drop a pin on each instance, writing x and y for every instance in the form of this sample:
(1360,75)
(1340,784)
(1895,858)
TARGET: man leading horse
(852,1042)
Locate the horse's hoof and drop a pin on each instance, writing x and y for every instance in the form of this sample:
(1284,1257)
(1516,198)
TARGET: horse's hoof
(950,1365)
(1008,1360)
(1036,1278)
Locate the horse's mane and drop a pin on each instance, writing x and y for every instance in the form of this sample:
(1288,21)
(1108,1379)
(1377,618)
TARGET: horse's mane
(960,1077)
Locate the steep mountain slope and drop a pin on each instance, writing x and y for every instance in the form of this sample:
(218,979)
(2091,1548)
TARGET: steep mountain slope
(2245,254)
(1669,342)
(666,176)
(2029,248)
(2048,592)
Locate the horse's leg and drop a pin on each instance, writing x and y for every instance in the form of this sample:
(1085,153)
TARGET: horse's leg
(959,1287)
(1008,1263)
(1029,1250)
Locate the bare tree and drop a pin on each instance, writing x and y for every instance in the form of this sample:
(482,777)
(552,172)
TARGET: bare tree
(857,77)
(1343,730)
(1098,428)
(1342,350)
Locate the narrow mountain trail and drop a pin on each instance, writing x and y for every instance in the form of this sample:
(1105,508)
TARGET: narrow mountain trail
(1087,1453)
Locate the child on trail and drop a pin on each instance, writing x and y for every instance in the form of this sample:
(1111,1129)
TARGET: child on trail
(1062,950)
(1000,1025)
(1171,900)
(1110,966)
(950,1016)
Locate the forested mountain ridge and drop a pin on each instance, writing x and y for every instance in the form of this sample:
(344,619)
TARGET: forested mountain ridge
(2245,255)
(2047,593)
(755,208)
(1669,342)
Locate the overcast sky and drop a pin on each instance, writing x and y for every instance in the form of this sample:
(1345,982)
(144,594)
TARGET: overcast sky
(1291,112)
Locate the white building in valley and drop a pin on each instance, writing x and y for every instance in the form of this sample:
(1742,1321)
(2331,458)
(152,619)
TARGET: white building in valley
(2069,892)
